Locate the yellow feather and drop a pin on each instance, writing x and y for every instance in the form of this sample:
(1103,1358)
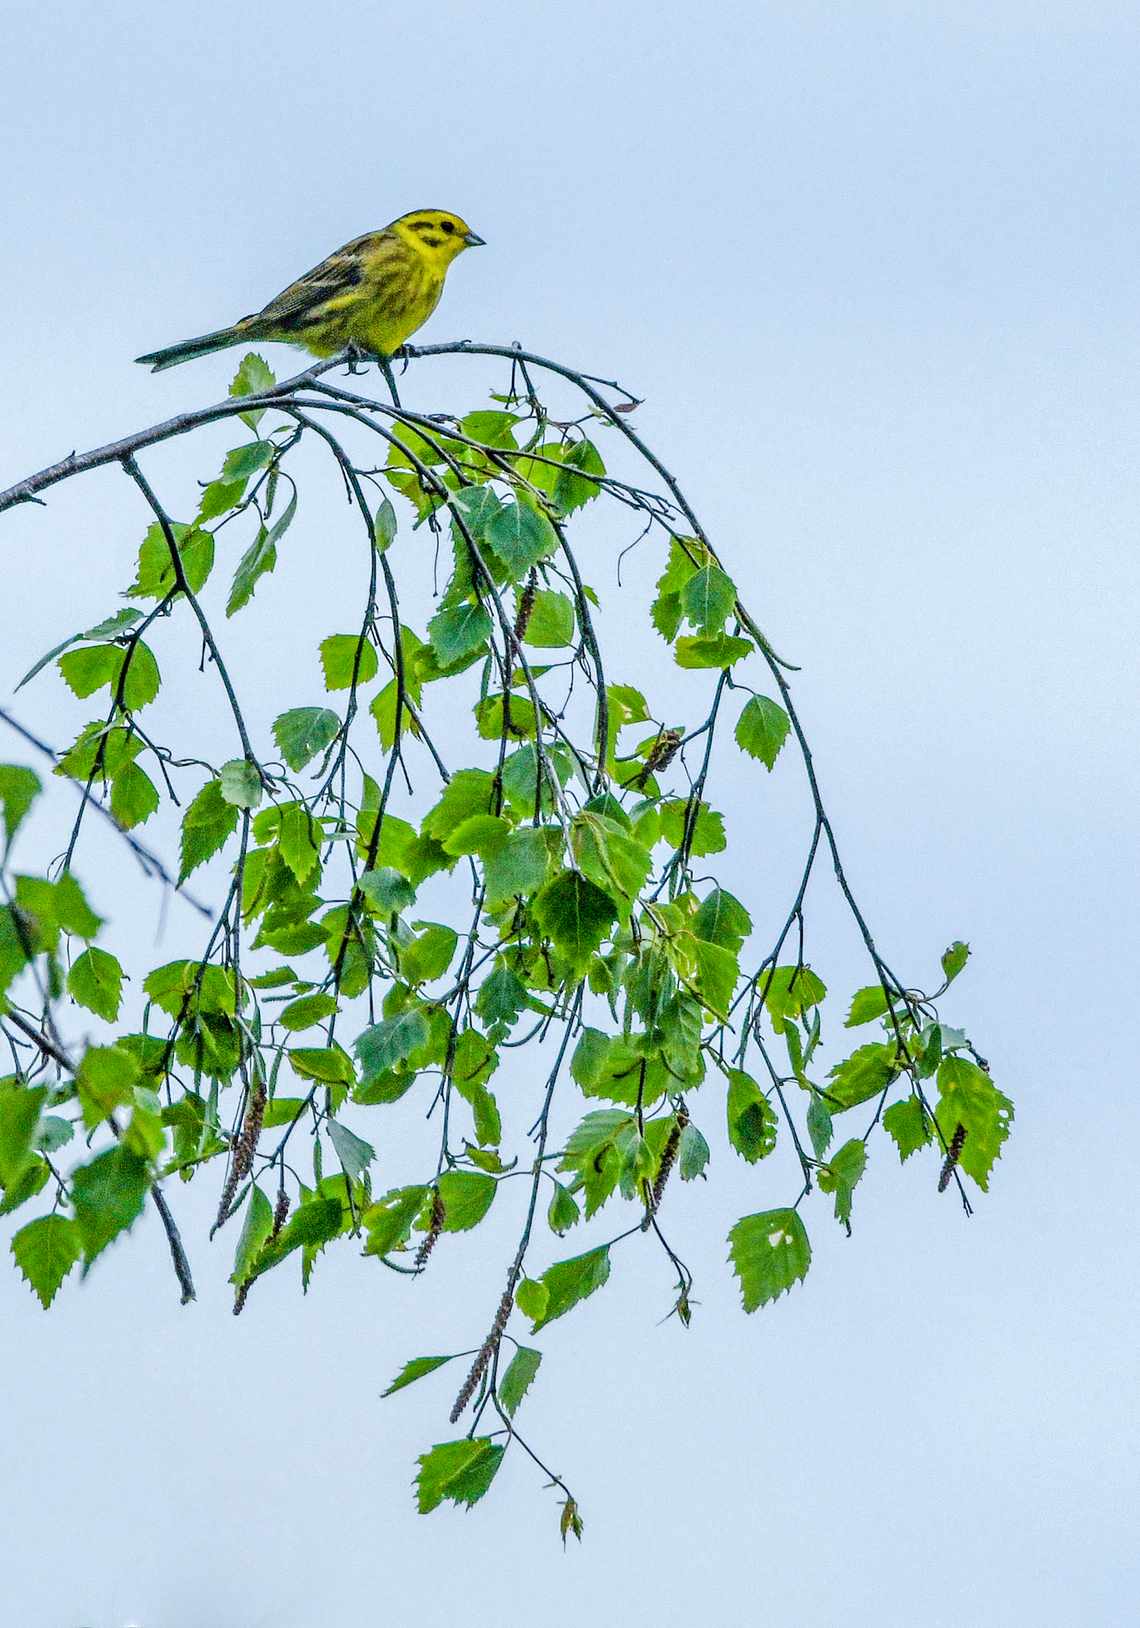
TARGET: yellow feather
(373,294)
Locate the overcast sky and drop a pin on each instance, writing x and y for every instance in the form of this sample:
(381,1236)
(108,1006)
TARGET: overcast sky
(873,267)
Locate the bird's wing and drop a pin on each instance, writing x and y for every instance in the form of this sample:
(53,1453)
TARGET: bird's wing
(307,300)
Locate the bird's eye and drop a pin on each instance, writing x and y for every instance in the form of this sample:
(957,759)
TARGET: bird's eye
(446,226)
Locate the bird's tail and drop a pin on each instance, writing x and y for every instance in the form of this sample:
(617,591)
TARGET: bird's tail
(190,348)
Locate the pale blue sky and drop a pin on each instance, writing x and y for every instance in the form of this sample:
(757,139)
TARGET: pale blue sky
(873,266)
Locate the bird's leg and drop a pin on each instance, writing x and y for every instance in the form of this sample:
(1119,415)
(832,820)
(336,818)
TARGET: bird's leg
(353,354)
(386,369)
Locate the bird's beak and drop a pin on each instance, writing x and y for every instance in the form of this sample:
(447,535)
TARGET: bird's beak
(474,242)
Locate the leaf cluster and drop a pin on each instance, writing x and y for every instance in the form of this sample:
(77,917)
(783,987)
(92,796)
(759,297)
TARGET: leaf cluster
(571,848)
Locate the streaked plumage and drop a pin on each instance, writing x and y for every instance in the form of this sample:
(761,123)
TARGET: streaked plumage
(373,294)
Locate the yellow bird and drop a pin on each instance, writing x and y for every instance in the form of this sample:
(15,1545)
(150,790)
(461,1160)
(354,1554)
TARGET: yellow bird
(371,294)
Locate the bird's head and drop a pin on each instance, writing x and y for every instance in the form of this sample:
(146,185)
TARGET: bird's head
(436,235)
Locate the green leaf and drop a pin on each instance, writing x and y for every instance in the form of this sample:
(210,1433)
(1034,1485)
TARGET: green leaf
(242,462)
(307,1011)
(328,1064)
(416,1369)
(591,1151)
(386,891)
(354,1153)
(626,706)
(909,1126)
(752,1122)
(520,537)
(708,829)
(692,1154)
(155,578)
(762,729)
(27,1184)
(52,654)
(382,707)
(19,788)
(255,1230)
(861,1076)
(568,1282)
(575,914)
(467,1196)
(96,981)
(722,920)
(13,945)
(52,1133)
(206,825)
(100,750)
(313,1225)
(19,1114)
(707,599)
(819,1125)
(954,959)
(616,1066)
(501,997)
(516,719)
(721,651)
(54,905)
(299,837)
(459,1470)
(866,1005)
(390,1219)
(303,732)
(518,1378)
(608,806)
(789,992)
(967,1096)
(219,497)
(531,1298)
(457,630)
(478,505)
(273,979)
(717,974)
(113,627)
(666,615)
(142,681)
(134,796)
(240,783)
(551,621)
(521,774)
(521,864)
(385,1044)
(108,1195)
(259,557)
(428,956)
(841,1177)
(251,378)
(107,1078)
(384,526)
(170,987)
(45,1252)
(344,653)
(614,861)
(769,1253)
(486,1159)
(572,485)
(563,1211)
(475,1059)
(484,1110)
(491,428)
(682,566)
(87,670)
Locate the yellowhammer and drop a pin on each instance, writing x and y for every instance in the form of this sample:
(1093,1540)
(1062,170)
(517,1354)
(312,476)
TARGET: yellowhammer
(371,294)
